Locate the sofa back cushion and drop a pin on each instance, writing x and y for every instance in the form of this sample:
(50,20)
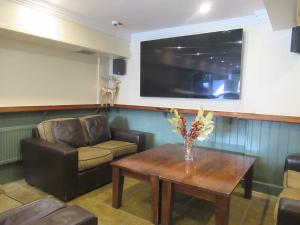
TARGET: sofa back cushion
(45,129)
(97,130)
(68,132)
(84,130)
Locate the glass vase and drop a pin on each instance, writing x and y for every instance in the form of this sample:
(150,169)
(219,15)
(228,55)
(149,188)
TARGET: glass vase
(188,149)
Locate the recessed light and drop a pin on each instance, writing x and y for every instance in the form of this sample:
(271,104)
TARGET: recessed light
(198,53)
(205,7)
(222,61)
(179,47)
(211,58)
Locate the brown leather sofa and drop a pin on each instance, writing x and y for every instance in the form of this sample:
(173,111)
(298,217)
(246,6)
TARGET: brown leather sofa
(287,210)
(69,157)
(48,211)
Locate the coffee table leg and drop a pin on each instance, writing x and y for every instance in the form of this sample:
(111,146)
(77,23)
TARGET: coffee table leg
(222,210)
(248,183)
(117,182)
(167,202)
(155,199)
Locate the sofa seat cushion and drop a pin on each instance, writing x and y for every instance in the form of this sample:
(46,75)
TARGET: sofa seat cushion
(118,148)
(89,157)
(291,193)
(291,179)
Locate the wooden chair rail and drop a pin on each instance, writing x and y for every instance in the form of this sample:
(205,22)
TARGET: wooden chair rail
(239,115)
(18,109)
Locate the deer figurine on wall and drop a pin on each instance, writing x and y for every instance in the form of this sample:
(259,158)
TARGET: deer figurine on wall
(108,94)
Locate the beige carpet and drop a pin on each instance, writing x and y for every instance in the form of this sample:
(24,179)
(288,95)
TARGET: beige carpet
(135,208)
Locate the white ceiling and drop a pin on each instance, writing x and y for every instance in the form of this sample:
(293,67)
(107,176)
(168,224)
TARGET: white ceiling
(145,15)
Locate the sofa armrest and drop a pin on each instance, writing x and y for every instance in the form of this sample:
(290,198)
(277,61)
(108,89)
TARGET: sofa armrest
(292,162)
(129,136)
(72,215)
(288,212)
(51,167)
(31,212)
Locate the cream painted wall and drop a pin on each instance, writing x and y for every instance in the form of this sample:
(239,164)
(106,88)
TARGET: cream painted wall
(22,19)
(270,74)
(33,74)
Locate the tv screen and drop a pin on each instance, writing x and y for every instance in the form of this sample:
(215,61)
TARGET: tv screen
(197,66)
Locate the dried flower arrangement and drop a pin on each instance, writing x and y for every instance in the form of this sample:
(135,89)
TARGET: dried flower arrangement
(200,129)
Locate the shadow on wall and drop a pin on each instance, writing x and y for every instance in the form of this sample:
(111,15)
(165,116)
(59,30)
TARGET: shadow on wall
(120,122)
(149,140)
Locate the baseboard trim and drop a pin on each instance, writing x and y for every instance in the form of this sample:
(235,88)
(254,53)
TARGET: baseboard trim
(271,189)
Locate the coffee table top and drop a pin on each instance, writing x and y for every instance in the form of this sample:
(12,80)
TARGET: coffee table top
(211,170)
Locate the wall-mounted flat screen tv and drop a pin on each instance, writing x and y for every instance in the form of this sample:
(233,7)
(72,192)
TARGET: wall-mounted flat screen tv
(197,66)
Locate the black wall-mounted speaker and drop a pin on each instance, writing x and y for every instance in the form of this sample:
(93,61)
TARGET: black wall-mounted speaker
(119,66)
(295,45)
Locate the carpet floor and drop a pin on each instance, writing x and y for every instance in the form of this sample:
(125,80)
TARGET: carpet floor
(135,208)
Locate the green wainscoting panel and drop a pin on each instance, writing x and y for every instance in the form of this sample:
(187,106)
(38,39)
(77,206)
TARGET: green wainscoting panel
(11,172)
(269,142)
(16,126)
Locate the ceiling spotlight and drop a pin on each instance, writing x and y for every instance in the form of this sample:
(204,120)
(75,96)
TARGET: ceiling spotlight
(204,8)
(222,61)
(198,53)
(211,58)
(240,42)
(179,47)
(116,23)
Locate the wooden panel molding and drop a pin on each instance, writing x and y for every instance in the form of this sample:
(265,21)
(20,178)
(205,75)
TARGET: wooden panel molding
(49,108)
(239,115)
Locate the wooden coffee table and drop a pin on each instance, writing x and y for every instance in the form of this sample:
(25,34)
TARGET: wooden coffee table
(213,176)
(143,166)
